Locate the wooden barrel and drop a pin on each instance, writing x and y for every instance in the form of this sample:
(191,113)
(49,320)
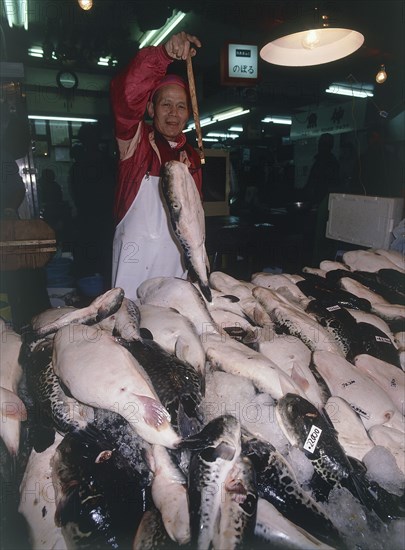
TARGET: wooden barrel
(25,244)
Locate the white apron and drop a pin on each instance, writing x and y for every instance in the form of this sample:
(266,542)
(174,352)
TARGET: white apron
(144,244)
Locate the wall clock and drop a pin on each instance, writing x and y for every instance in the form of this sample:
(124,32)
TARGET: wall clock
(67,80)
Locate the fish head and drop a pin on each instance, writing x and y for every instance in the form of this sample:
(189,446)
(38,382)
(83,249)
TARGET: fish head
(222,435)
(296,416)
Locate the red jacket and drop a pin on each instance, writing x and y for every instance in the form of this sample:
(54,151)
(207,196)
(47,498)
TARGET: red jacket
(138,149)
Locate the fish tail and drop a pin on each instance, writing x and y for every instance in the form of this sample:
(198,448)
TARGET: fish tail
(205,289)
(386,505)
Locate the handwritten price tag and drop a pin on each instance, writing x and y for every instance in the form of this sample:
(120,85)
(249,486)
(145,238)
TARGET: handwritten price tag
(312,439)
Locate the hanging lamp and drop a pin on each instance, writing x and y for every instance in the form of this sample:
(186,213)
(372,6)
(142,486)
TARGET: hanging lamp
(312,40)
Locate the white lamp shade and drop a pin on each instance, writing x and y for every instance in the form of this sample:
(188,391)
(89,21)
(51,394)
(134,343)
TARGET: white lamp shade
(312,47)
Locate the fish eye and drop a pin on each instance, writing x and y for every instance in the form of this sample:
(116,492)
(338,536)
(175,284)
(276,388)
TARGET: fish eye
(176,205)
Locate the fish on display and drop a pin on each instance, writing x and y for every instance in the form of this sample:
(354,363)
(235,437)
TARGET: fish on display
(393,256)
(367,260)
(390,378)
(392,278)
(375,283)
(10,368)
(180,295)
(100,308)
(279,532)
(124,322)
(239,506)
(372,319)
(188,220)
(99,499)
(277,484)
(329,265)
(339,323)
(216,450)
(314,434)
(176,383)
(101,373)
(296,322)
(280,283)
(377,343)
(233,357)
(370,401)
(52,409)
(151,533)
(174,333)
(292,356)
(13,412)
(330,295)
(351,433)
(38,500)
(391,439)
(169,494)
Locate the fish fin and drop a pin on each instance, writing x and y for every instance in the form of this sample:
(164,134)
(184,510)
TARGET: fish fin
(299,377)
(145,333)
(181,349)
(206,291)
(155,414)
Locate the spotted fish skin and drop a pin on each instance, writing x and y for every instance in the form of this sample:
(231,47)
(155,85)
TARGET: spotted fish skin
(239,507)
(187,218)
(312,432)
(99,501)
(177,384)
(53,408)
(276,483)
(219,445)
(340,325)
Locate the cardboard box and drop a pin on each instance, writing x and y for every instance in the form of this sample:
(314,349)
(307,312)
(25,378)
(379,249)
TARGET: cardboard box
(363,220)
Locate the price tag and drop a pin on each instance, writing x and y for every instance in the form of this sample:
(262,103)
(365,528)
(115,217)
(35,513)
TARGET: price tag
(312,439)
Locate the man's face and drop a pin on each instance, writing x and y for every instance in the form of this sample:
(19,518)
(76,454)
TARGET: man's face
(169,111)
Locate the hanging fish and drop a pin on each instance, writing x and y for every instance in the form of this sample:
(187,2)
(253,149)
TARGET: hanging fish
(188,220)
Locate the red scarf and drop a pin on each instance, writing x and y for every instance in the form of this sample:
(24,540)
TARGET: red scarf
(167,152)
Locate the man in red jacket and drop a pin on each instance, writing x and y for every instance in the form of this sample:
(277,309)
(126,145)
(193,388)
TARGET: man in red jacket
(144,245)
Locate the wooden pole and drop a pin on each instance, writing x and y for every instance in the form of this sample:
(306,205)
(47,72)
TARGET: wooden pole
(194,106)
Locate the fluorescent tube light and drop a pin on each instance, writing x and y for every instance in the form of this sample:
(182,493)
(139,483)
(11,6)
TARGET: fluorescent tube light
(155,37)
(236,129)
(277,120)
(223,135)
(238,111)
(36,51)
(349,91)
(62,118)
(17,13)
(209,139)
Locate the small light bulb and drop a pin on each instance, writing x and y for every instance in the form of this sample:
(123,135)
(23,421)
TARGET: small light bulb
(381,76)
(85,4)
(310,40)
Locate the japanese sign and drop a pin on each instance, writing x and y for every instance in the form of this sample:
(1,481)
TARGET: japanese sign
(239,64)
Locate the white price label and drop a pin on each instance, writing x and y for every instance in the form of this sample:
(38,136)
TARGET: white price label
(312,439)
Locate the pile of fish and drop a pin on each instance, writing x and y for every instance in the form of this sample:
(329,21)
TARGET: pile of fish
(242,417)
(217,414)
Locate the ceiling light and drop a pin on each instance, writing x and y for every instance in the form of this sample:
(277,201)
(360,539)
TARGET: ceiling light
(85,4)
(210,139)
(17,13)
(236,129)
(311,41)
(223,135)
(238,111)
(353,91)
(36,51)
(277,120)
(155,37)
(61,118)
(381,76)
